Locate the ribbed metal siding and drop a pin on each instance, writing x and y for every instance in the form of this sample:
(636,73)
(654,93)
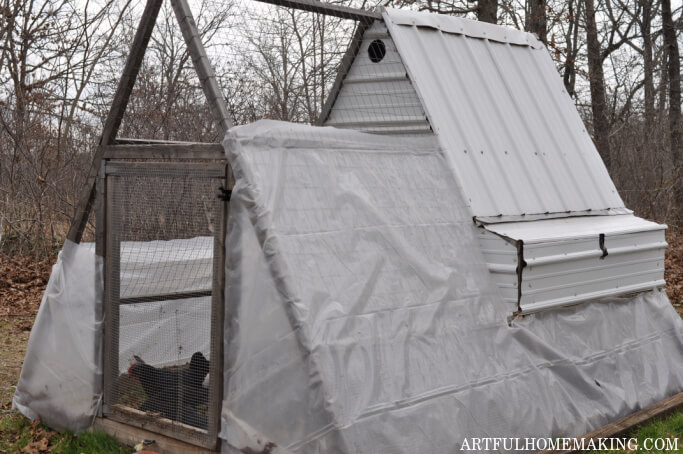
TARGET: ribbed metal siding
(378,97)
(510,131)
(564,261)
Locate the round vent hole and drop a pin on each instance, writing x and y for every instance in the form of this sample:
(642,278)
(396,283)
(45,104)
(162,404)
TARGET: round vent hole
(377,50)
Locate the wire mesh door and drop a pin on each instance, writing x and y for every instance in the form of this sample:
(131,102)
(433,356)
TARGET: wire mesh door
(165,226)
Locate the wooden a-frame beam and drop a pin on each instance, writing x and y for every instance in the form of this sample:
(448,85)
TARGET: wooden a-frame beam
(204,71)
(113,121)
(131,69)
(202,65)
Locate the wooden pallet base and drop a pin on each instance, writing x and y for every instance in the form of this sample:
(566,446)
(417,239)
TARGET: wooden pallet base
(626,425)
(131,436)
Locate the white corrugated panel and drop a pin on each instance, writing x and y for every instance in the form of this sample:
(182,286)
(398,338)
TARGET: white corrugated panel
(567,261)
(378,97)
(510,131)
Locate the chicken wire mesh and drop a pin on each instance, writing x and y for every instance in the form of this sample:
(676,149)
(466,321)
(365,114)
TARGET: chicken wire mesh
(162,223)
(275,62)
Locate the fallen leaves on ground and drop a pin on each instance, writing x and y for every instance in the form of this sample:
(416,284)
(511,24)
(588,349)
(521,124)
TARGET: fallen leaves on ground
(22,282)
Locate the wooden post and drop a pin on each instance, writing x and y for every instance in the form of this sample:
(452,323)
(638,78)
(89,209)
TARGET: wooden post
(202,65)
(111,297)
(218,319)
(100,251)
(118,107)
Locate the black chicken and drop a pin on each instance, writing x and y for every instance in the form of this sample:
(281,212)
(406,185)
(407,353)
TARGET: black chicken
(174,393)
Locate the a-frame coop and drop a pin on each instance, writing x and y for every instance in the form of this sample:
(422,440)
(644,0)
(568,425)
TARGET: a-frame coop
(466,269)
(160,212)
(133,186)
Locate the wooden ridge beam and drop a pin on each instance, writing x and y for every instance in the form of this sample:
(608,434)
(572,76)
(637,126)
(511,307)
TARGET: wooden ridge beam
(330,9)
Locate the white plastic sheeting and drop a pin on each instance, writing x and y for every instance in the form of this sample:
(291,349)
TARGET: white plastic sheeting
(161,267)
(165,333)
(62,374)
(362,317)
(61,378)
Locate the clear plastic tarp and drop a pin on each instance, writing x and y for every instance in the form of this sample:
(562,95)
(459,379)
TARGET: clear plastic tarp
(61,379)
(363,317)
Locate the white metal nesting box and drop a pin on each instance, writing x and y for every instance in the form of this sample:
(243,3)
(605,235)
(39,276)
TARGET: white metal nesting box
(519,151)
(570,260)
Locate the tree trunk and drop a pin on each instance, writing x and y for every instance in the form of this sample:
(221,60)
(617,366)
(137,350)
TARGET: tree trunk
(573,45)
(648,65)
(538,20)
(597,86)
(487,11)
(674,73)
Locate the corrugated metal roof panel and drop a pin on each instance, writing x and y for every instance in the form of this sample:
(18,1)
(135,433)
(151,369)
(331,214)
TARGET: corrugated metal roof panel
(511,133)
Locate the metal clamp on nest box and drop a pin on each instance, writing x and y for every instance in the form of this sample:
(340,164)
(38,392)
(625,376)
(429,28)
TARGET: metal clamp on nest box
(224,194)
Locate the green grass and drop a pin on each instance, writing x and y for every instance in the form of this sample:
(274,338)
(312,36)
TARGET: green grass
(671,428)
(18,434)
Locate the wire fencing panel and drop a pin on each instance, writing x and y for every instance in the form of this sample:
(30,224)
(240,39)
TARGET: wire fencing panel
(162,224)
(276,62)
(281,63)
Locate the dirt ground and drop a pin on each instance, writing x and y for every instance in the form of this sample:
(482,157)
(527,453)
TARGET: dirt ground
(13,339)
(22,282)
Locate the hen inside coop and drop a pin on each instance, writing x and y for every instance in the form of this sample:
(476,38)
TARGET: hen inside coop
(163,220)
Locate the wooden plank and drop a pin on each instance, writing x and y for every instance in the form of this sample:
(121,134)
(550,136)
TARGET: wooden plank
(130,435)
(100,218)
(169,169)
(202,66)
(626,425)
(213,151)
(160,425)
(113,121)
(100,251)
(111,297)
(130,141)
(165,297)
(329,9)
(218,319)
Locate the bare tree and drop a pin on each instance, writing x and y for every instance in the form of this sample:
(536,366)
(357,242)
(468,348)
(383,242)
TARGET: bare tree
(538,19)
(487,11)
(51,52)
(597,86)
(645,25)
(674,75)
(572,46)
